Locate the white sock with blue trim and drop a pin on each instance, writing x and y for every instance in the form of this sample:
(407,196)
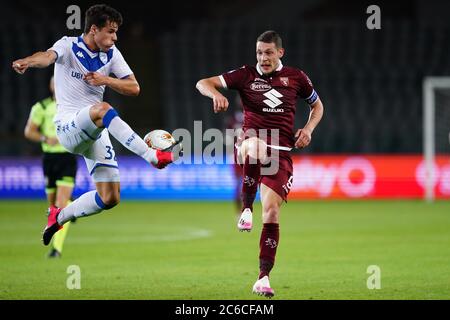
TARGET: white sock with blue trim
(84,206)
(120,130)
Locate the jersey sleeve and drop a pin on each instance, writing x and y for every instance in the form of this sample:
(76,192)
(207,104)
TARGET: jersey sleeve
(37,114)
(61,47)
(234,79)
(119,67)
(306,89)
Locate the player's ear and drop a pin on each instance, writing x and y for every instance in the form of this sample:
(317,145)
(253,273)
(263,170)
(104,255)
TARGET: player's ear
(93,30)
(281,52)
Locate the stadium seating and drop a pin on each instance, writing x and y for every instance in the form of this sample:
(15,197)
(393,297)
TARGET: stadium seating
(370,81)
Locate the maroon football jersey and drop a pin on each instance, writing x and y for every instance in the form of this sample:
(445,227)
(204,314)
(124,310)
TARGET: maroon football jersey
(270,102)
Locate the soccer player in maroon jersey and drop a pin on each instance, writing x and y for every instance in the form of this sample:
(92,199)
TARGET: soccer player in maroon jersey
(269,93)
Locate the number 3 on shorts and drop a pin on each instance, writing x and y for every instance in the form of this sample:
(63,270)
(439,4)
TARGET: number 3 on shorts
(110,153)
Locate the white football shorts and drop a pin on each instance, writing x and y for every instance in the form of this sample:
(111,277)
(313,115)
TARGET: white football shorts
(79,135)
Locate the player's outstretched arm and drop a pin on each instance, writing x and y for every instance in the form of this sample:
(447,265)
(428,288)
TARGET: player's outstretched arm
(208,87)
(127,86)
(37,60)
(303,136)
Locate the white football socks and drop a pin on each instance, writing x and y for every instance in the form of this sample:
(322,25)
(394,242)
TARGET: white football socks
(120,130)
(85,205)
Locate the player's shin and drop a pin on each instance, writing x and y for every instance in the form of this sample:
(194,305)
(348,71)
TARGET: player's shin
(86,205)
(120,130)
(251,174)
(268,245)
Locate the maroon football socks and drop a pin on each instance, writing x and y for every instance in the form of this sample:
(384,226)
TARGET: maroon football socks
(268,245)
(251,174)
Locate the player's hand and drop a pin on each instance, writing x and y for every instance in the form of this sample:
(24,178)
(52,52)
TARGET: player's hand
(52,141)
(303,137)
(220,103)
(95,79)
(20,66)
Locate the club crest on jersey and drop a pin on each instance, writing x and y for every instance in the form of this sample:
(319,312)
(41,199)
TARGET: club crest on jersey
(103,57)
(284,81)
(260,86)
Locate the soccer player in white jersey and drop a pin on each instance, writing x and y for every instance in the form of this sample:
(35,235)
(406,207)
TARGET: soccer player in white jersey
(83,121)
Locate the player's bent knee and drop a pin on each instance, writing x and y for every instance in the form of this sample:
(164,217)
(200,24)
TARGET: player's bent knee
(112,200)
(256,149)
(251,147)
(99,110)
(103,107)
(111,205)
(252,150)
(107,201)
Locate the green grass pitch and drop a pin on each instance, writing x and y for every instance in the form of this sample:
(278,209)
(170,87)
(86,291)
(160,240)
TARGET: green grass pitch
(192,250)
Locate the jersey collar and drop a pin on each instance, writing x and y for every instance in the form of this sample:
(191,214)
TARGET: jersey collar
(80,39)
(280,66)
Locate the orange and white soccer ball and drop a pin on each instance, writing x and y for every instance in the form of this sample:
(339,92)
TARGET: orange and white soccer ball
(159,139)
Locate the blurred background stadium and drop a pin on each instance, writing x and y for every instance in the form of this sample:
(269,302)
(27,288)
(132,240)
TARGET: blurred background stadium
(369,145)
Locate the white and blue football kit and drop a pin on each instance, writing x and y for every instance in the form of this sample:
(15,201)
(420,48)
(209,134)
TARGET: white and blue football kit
(74,96)
(78,133)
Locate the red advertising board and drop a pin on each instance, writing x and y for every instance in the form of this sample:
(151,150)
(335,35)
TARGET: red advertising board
(366,176)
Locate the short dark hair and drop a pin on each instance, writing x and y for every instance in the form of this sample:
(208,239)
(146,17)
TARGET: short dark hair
(99,15)
(269,37)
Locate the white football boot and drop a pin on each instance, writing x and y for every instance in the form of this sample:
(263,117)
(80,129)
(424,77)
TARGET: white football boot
(245,221)
(262,287)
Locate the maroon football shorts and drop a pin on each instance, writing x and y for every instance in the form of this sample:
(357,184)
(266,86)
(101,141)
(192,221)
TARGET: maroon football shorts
(281,181)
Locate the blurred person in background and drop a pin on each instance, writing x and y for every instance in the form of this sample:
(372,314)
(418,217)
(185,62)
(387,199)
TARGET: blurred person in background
(60,166)
(269,93)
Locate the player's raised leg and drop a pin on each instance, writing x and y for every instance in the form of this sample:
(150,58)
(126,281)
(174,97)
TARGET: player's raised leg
(253,152)
(103,115)
(268,242)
